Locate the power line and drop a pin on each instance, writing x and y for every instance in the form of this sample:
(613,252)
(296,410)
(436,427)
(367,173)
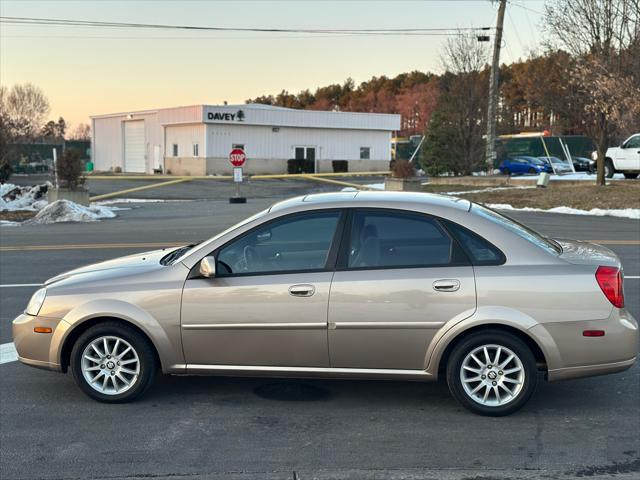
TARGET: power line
(351,31)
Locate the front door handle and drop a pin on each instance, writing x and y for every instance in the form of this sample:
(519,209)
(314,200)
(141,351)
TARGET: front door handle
(448,285)
(302,290)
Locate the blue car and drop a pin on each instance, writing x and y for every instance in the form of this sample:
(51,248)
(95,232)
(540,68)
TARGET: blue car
(522,165)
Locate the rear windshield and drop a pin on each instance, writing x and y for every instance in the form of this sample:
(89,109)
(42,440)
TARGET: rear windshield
(519,229)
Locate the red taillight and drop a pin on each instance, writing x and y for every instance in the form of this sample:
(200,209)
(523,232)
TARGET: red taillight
(610,281)
(593,333)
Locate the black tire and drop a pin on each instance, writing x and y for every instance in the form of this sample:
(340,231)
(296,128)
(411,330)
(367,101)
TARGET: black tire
(502,339)
(140,344)
(608,168)
(630,176)
(532,170)
(506,171)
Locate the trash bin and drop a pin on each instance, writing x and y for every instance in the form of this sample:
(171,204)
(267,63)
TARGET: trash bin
(89,167)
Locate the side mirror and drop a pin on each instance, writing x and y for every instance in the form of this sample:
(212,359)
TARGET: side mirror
(208,267)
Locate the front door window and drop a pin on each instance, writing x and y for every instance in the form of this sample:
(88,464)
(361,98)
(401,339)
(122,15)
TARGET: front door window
(293,244)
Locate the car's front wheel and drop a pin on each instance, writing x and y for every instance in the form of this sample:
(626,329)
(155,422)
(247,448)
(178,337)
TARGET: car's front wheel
(609,170)
(112,362)
(492,373)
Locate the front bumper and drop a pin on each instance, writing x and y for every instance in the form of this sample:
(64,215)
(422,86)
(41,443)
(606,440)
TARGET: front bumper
(41,350)
(576,356)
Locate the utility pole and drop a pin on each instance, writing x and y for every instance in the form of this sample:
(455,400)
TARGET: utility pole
(493,89)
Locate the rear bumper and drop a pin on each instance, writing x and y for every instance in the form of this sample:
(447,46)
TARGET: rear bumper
(571,355)
(589,370)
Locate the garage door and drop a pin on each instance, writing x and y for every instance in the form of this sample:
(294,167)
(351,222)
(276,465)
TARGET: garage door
(134,150)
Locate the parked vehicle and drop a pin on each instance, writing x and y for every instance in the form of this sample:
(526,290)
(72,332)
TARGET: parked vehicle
(584,164)
(389,285)
(624,159)
(523,165)
(559,166)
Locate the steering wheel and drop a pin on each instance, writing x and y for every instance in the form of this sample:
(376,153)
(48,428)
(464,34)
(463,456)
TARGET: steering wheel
(250,257)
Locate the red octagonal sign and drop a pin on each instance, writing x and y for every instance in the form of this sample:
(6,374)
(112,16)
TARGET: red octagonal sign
(237,157)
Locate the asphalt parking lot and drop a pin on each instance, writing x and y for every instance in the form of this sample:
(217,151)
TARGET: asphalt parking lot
(207,427)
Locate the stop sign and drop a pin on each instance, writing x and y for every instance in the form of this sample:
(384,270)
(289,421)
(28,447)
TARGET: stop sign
(237,157)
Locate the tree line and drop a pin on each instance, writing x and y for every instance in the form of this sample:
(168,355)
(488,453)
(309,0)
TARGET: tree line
(585,80)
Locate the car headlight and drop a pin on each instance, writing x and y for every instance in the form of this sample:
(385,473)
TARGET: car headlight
(35,304)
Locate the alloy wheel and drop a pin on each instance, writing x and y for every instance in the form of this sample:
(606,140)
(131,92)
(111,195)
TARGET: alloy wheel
(110,365)
(492,375)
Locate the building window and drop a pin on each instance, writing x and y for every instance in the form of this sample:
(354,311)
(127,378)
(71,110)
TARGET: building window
(196,149)
(175,149)
(238,145)
(365,153)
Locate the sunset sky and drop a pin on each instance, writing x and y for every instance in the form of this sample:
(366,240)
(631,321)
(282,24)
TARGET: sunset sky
(87,71)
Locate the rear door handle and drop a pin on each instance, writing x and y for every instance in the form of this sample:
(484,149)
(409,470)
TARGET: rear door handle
(302,290)
(448,285)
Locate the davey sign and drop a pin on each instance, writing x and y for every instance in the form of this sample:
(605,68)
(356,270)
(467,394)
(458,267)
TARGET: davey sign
(237,157)
(225,116)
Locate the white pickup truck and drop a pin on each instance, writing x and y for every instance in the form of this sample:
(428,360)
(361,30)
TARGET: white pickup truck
(624,159)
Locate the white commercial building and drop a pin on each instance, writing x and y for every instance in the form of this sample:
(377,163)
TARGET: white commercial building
(197,140)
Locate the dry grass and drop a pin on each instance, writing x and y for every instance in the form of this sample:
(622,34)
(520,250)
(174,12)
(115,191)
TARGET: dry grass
(622,194)
(17,216)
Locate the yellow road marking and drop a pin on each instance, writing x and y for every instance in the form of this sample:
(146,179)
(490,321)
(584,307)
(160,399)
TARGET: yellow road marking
(137,189)
(106,246)
(338,182)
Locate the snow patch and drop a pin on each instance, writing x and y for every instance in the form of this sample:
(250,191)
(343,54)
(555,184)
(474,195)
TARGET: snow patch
(9,223)
(372,186)
(599,212)
(14,197)
(66,211)
(569,176)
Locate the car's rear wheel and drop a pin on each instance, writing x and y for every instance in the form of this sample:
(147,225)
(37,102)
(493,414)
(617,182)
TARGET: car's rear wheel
(630,176)
(506,171)
(492,373)
(112,362)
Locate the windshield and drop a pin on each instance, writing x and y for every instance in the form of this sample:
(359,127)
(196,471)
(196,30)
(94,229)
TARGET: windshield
(516,227)
(177,255)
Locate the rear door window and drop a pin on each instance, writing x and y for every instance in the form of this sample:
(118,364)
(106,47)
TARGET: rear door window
(390,239)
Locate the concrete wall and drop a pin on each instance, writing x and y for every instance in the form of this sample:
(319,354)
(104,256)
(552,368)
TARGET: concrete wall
(185,166)
(221,166)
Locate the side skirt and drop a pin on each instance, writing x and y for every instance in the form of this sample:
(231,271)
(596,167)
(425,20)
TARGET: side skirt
(300,372)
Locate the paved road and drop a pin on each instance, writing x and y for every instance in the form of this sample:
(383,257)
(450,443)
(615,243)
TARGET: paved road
(201,189)
(267,429)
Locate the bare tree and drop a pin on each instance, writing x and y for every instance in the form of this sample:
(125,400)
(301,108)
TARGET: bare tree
(603,36)
(463,54)
(81,132)
(463,101)
(24,108)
